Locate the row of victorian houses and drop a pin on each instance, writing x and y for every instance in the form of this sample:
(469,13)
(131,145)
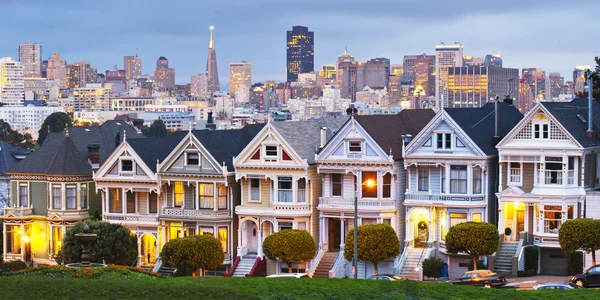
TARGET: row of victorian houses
(431,171)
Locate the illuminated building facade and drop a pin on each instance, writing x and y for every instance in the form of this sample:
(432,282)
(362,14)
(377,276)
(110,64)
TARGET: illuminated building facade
(579,79)
(93,97)
(199,86)
(476,86)
(30,56)
(240,73)
(12,85)
(446,57)
(328,71)
(492,60)
(300,52)
(57,69)
(79,74)
(424,73)
(163,75)
(132,66)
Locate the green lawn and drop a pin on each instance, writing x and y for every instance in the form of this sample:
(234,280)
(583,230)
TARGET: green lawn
(17,287)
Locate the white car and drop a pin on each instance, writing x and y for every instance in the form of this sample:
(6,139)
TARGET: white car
(289,275)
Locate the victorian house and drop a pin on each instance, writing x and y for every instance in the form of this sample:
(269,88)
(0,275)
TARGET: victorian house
(547,162)
(363,161)
(52,189)
(279,184)
(452,177)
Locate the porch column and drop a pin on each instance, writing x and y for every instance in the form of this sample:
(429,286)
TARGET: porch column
(565,168)
(22,242)
(197,197)
(123,201)
(343,235)
(181,233)
(575,173)
(275,189)
(500,216)
(139,248)
(259,240)
(431,229)
(239,229)
(4,239)
(500,176)
(63,197)
(295,190)
(447,178)
(215,197)
(469,179)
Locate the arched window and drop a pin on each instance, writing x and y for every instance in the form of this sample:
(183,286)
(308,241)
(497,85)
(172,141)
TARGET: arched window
(541,127)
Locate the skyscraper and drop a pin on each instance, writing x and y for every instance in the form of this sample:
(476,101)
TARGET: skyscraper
(212,74)
(240,73)
(492,60)
(446,56)
(199,86)
(579,79)
(354,76)
(300,52)
(477,85)
(79,74)
(57,69)
(554,86)
(424,73)
(163,75)
(12,85)
(30,56)
(132,66)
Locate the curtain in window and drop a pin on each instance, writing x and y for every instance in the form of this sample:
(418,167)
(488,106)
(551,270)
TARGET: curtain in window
(423,180)
(71,197)
(222,197)
(23,195)
(477,180)
(206,195)
(458,179)
(56,197)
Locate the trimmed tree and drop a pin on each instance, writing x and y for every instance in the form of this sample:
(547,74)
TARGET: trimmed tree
(473,238)
(55,122)
(194,252)
(157,128)
(290,246)
(376,242)
(580,234)
(115,244)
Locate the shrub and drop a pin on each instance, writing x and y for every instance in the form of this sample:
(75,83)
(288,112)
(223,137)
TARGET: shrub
(473,238)
(200,251)
(480,265)
(108,272)
(290,246)
(11,266)
(581,234)
(531,258)
(575,262)
(376,242)
(432,267)
(115,244)
(527,273)
(507,231)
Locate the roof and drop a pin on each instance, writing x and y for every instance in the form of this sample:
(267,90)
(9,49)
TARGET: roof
(6,158)
(566,113)
(305,136)
(154,149)
(43,161)
(479,123)
(387,130)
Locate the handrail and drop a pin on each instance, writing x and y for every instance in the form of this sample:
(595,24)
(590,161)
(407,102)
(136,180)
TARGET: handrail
(521,254)
(259,268)
(233,267)
(401,261)
(340,262)
(315,262)
(157,265)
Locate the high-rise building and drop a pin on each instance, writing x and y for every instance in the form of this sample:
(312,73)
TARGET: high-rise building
(79,74)
(394,88)
(424,73)
(92,97)
(132,66)
(163,75)
(212,74)
(555,83)
(199,86)
(384,61)
(397,69)
(446,57)
(240,73)
(492,60)
(45,68)
(470,61)
(57,69)
(12,85)
(475,86)
(408,64)
(30,56)
(354,76)
(533,88)
(300,52)
(579,79)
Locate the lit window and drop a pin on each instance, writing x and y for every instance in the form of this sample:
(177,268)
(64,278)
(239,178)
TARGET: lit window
(115,204)
(369,191)
(178,194)
(206,195)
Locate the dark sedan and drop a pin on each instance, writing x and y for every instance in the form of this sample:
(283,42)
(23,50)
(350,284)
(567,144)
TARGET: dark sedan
(484,278)
(589,278)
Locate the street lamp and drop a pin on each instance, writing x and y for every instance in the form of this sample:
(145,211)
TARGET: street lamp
(369,183)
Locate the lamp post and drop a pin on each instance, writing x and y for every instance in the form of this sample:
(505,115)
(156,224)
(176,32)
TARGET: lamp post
(369,183)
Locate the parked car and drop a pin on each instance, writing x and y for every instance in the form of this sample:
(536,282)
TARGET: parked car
(555,286)
(289,275)
(484,278)
(391,277)
(589,278)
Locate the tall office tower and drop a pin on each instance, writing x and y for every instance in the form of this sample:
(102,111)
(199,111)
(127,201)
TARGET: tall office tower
(199,86)
(492,60)
(408,64)
(132,66)
(45,68)
(376,73)
(12,84)
(354,76)
(240,73)
(470,61)
(163,75)
(57,69)
(397,69)
(446,57)
(579,79)
(394,88)
(424,73)
(555,83)
(300,52)
(536,81)
(212,74)
(343,59)
(30,56)
(385,61)
(475,86)
(79,74)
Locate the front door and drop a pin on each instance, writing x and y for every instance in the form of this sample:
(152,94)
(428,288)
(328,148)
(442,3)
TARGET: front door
(252,234)
(335,234)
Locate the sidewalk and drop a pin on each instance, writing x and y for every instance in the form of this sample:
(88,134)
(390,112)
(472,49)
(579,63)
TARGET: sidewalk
(527,283)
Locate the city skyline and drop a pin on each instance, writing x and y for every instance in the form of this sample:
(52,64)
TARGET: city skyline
(183,41)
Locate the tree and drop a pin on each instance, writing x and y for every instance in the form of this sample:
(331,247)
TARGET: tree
(158,128)
(376,242)
(290,245)
(200,251)
(473,238)
(580,234)
(12,137)
(55,122)
(115,244)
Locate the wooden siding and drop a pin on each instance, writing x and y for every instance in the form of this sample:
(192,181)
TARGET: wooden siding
(528,177)
(314,184)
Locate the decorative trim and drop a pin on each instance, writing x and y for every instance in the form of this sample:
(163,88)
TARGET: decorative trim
(52,178)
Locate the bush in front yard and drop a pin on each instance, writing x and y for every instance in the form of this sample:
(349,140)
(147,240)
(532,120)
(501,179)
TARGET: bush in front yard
(473,238)
(199,251)
(290,246)
(527,273)
(376,242)
(575,262)
(531,258)
(11,266)
(432,267)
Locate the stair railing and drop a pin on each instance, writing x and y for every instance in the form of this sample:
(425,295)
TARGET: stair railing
(157,265)
(399,263)
(315,262)
(339,266)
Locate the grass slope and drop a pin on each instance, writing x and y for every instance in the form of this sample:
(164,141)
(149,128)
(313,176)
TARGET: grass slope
(17,287)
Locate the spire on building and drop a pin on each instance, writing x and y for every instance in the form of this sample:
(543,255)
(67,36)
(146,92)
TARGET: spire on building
(211,42)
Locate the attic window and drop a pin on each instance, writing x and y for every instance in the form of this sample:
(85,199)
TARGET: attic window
(354,146)
(127,165)
(271,151)
(192,159)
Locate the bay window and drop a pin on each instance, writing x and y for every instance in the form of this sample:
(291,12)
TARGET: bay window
(178,194)
(222,197)
(153,203)
(206,195)
(56,197)
(301,190)
(284,189)
(552,218)
(457,218)
(24,195)
(84,195)
(223,237)
(515,173)
(369,191)
(477,182)
(387,185)
(458,179)
(130,202)
(115,201)
(12,237)
(423,179)
(71,195)
(254,190)
(336,185)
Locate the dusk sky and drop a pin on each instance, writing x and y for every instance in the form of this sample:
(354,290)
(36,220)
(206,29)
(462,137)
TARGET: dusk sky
(552,35)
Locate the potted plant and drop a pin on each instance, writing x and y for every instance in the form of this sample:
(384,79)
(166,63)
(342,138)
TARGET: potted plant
(507,233)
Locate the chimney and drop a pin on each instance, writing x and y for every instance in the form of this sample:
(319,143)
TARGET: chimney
(590,133)
(94,155)
(210,123)
(508,99)
(323,137)
(496,138)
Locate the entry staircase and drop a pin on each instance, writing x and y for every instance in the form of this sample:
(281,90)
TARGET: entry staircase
(504,256)
(325,265)
(244,266)
(413,259)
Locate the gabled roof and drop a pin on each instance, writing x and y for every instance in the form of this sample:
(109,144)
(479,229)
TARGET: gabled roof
(154,149)
(223,145)
(479,123)
(6,158)
(305,136)
(566,113)
(387,130)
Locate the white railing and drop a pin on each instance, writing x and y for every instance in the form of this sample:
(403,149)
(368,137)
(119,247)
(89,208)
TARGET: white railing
(553,176)
(286,196)
(290,206)
(130,218)
(400,261)
(193,213)
(521,260)
(301,194)
(315,262)
(336,202)
(18,211)
(157,265)
(339,268)
(427,197)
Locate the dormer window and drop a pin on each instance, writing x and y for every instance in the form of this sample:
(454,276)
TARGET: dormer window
(193,159)
(271,151)
(354,146)
(444,141)
(541,127)
(127,165)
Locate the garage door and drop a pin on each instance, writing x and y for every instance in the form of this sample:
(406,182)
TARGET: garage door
(553,262)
